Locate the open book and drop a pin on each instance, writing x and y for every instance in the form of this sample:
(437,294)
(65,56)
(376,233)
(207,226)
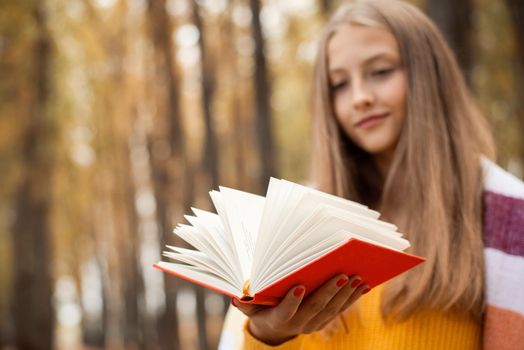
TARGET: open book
(256,248)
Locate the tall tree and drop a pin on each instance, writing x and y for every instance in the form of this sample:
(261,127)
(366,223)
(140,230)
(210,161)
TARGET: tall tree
(210,153)
(31,231)
(122,279)
(124,191)
(516,10)
(233,80)
(262,90)
(133,288)
(455,20)
(169,163)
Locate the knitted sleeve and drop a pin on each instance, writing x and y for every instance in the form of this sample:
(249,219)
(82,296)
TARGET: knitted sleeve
(252,343)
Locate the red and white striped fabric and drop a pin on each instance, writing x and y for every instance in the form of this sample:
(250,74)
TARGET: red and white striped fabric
(504,255)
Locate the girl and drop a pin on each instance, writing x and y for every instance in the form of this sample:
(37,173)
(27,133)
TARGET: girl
(395,128)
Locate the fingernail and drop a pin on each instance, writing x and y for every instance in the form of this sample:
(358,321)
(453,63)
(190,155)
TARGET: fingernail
(342,281)
(298,292)
(367,289)
(355,283)
(233,302)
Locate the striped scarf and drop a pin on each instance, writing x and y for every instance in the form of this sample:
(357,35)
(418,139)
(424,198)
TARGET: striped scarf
(504,258)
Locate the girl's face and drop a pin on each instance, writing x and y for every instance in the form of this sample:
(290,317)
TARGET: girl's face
(368,86)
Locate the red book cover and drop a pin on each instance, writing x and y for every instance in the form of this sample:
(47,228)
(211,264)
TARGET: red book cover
(374,263)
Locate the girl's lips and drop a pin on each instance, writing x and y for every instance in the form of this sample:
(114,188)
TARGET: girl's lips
(371,121)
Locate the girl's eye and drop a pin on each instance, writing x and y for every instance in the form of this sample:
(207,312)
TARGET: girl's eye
(382,72)
(339,86)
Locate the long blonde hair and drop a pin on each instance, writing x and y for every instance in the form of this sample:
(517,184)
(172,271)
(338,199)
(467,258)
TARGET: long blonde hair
(433,188)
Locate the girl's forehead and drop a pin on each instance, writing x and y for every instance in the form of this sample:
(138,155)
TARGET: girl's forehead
(360,44)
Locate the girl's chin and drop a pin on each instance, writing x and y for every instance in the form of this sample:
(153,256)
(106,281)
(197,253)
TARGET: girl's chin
(376,148)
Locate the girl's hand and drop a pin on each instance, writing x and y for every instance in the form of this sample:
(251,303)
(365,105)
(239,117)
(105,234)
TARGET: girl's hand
(293,316)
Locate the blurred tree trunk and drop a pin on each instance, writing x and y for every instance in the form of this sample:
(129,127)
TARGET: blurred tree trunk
(262,89)
(210,155)
(168,323)
(326,7)
(170,168)
(455,20)
(108,238)
(240,130)
(126,219)
(516,10)
(133,287)
(117,223)
(31,231)
(93,326)
(127,224)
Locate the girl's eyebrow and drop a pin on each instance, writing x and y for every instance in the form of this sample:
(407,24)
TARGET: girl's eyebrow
(378,56)
(375,57)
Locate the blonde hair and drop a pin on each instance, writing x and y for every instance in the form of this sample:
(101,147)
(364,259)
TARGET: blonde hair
(433,188)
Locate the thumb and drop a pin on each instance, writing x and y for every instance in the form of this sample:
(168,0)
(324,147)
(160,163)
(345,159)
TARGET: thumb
(247,309)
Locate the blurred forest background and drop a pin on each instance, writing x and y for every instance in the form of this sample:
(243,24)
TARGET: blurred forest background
(116,116)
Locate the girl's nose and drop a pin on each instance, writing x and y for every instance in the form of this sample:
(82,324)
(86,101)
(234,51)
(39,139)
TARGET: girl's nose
(362,97)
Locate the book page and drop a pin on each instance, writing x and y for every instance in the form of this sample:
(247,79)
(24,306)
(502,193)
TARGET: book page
(205,263)
(218,202)
(304,233)
(211,220)
(294,262)
(205,279)
(337,202)
(211,225)
(292,204)
(320,225)
(326,220)
(281,199)
(244,212)
(202,242)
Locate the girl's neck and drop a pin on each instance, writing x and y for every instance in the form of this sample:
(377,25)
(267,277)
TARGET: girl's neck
(383,162)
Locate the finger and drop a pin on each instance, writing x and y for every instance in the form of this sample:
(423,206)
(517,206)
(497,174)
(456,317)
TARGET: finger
(335,305)
(289,305)
(317,301)
(360,290)
(247,309)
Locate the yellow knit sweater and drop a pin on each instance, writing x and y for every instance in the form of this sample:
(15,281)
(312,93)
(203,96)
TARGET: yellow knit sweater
(426,330)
